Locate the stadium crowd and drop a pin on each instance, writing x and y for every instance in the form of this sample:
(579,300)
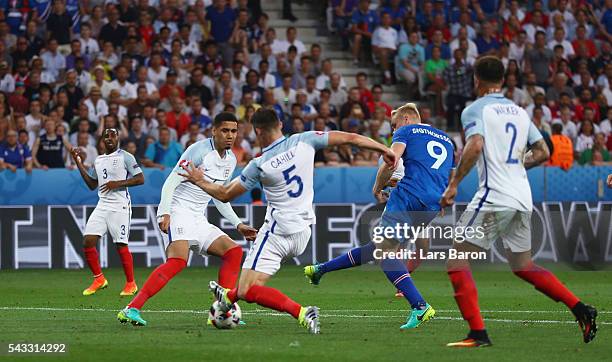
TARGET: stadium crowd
(160,70)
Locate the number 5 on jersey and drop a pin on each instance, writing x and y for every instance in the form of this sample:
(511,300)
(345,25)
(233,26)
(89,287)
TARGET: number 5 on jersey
(291,179)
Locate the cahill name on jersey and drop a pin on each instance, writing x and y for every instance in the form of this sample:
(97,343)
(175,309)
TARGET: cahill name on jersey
(217,169)
(285,170)
(117,166)
(507,130)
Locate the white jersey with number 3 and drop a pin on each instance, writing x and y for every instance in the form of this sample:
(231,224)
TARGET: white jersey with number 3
(286,171)
(507,131)
(117,166)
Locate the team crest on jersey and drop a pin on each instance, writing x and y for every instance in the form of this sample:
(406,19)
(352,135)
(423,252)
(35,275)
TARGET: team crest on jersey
(226,173)
(115,162)
(179,230)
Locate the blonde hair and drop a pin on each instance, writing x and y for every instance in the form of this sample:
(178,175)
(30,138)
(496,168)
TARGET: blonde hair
(405,109)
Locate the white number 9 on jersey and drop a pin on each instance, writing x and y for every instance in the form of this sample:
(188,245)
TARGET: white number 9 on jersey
(439,157)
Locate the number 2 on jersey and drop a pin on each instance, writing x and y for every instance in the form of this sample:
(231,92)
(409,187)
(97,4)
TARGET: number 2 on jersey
(290,179)
(512,127)
(439,157)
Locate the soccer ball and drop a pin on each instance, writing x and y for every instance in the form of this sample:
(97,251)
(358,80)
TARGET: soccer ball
(224,320)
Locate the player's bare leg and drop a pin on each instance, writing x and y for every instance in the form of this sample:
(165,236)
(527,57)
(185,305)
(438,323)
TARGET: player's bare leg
(127,262)
(93,261)
(252,289)
(547,283)
(178,254)
(231,259)
(466,296)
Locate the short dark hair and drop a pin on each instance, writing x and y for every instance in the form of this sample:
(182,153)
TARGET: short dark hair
(224,117)
(557,128)
(489,69)
(265,119)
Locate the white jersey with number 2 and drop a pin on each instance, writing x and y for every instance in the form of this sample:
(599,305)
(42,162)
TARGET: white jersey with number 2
(286,171)
(507,131)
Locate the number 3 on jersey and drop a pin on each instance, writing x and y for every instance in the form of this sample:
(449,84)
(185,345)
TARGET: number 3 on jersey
(291,179)
(439,157)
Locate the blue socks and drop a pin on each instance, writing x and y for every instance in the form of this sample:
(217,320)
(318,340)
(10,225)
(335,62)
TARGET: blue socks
(397,273)
(355,257)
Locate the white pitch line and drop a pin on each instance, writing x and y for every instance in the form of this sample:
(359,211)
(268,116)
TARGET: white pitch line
(262,312)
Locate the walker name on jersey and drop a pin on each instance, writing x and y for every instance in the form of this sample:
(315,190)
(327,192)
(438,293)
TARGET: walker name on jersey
(511,110)
(283,158)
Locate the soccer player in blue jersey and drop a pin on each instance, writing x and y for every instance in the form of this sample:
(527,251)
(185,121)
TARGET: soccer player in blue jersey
(285,170)
(427,155)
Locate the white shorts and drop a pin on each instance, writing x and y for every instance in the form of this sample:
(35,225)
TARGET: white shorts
(116,223)
(513,226)
(192,226)
(269,249)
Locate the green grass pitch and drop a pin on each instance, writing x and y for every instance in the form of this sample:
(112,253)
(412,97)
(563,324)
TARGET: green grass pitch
(360,319)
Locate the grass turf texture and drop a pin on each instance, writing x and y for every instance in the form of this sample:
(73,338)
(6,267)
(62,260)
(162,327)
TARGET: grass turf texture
(360,319)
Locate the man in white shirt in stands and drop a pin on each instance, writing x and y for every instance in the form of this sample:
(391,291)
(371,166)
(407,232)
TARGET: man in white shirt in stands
(384,44)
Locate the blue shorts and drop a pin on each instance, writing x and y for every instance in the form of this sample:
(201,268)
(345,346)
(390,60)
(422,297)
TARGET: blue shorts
(405,208)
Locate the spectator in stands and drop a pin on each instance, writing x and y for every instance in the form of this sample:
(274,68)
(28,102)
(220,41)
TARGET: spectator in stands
(569,128)
(163,153)
(221,18)
(563,148)
(458,80)
(384,44)
(538,60)
(487,42)
(559,86)
(342,16)
(51,149)
(598,154)
(83,126)
(89,153)
(586,137)
(177,118)
(137,136)
(59,25)
(377,93)
(411,60)
(284,94)
(437,40)
(513,92)
(434,68)
(14,155)
(193,135)
(363,23)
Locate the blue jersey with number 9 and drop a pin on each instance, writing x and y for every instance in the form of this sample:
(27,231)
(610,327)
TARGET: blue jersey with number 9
(428,160)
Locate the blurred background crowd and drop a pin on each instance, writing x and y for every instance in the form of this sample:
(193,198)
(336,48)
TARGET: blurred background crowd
(160,70)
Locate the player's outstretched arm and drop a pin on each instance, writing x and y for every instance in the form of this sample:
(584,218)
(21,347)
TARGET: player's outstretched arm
(383,176)
(539,153)
(91,182)
(337,138)
(471,152)
(220,192)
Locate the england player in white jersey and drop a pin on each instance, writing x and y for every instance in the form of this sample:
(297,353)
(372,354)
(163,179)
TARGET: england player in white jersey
(182,215)
(285,170)
(498,134)
(113,172)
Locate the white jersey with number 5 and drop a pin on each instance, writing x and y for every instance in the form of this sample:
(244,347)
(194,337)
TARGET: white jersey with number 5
(286,170)
(507,130)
